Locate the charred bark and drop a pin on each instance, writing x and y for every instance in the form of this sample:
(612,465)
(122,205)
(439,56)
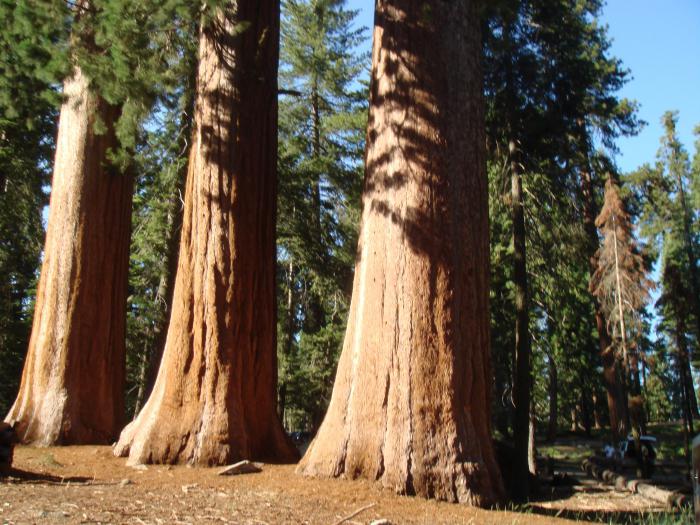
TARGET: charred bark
(214,400)
(411,402)
(73,381)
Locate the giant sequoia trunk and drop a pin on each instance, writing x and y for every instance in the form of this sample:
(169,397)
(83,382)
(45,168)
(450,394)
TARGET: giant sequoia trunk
(214,400)
(616,397)
(73,381)
(411,401)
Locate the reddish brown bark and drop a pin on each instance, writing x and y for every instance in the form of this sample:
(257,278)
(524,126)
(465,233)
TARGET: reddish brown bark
(411,401)
(616,397)
(214,401)
(73,380)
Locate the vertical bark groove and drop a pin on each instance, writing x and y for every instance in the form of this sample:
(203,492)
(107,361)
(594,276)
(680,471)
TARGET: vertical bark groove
(214,400)
(73,380)
(410,405)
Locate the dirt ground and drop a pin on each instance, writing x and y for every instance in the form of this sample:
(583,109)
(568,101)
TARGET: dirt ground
(66,485)
(89,485)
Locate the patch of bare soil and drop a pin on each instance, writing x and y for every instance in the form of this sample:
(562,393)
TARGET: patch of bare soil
(89,485)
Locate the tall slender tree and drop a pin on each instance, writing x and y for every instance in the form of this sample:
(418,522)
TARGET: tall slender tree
(323,120)
(410,405)
(665,193)
(214,400)
(161,167)
(621,284)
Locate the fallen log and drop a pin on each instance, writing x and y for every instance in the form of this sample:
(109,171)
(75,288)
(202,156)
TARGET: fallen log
(669,498)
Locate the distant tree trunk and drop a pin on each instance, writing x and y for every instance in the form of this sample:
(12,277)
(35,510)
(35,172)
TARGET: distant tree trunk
(289,331)
(574,419)
(411,401)
(215,397)
(597,422)
(531,441)
(553,391)
(617,404)
(314,318)
(290,328)
(585,410)
(686,387)
(521,379)
(686,374)
(73,381)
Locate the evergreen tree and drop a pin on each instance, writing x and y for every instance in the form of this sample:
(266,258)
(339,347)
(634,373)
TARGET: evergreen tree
(548,70)
(323,114)
(667,192)
(161,166)
(27,128)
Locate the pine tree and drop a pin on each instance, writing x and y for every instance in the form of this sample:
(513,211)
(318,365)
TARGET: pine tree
(675,305)
(547,70)
(161,168)
(665,193)
(323,115)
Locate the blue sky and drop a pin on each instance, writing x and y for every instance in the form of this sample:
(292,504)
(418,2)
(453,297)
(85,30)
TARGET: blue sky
(659,41)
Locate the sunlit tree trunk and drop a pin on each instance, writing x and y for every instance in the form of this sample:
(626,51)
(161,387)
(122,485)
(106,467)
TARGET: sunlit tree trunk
(73,381)
(214,400)
(411,401)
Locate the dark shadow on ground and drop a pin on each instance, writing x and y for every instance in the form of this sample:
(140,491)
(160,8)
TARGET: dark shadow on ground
(18,476)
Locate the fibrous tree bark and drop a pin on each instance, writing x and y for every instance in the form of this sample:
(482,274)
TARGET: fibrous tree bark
(73,380)
(411,402)
(214,400)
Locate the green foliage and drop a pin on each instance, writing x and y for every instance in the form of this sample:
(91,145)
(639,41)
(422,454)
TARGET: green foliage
(160,164)
(665,196)
(22,179)
(131,50)
(323,116)
(26,143)
(550,85)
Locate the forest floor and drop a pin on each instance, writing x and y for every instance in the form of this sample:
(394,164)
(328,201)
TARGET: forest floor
(89,485)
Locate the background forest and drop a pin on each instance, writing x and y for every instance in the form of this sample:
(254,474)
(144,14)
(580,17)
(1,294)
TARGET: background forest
(595,281)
